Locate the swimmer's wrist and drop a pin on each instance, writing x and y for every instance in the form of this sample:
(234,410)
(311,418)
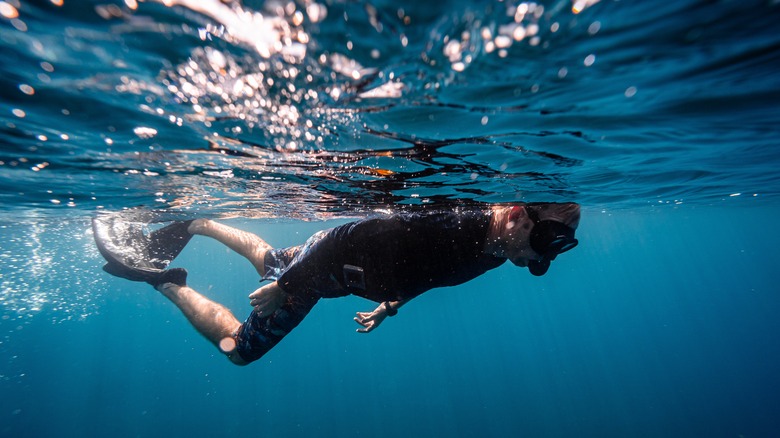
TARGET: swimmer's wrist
(389,311)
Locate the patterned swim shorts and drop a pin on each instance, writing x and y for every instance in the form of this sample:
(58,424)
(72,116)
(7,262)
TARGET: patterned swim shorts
(258,334)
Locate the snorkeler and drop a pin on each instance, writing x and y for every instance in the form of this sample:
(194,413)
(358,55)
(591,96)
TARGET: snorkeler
(387,259)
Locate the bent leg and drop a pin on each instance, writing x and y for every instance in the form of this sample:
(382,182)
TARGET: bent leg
(211,319)
(249,245)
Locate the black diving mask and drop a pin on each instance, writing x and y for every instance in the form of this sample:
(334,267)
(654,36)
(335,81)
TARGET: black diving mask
(548,239)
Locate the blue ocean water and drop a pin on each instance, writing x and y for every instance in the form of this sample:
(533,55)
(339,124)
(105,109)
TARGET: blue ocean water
(284,118)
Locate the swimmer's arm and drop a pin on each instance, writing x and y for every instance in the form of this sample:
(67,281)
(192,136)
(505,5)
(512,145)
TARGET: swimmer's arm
(371,320)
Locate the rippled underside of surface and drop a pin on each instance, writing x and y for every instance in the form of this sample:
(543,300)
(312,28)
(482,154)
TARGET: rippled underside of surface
(306,109)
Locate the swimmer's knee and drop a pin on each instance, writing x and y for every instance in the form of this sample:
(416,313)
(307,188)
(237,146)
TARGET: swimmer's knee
(258,260)
(229,347)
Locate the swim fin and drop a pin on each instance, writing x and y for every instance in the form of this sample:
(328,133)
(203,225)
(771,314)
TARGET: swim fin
(167,242)
(138,257)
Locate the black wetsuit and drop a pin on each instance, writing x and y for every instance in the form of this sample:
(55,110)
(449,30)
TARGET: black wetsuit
(388,258)
(400,256)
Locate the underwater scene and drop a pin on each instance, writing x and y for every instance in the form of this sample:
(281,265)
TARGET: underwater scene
(621,156)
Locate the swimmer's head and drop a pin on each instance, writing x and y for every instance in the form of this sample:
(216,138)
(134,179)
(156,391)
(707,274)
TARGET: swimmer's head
(547,231)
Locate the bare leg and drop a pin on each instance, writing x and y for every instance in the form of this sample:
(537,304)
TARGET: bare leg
(249,245)
(214,321)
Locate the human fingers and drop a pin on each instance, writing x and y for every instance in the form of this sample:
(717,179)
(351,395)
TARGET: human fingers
(260,297)
(265,308)
(263,303)
(256,301)
(367,327)
(257,293)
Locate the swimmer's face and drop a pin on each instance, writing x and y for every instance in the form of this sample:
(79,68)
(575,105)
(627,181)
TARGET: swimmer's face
(553,235)
(518,232)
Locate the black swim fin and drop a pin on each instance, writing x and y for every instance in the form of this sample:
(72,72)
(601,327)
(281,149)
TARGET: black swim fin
(167,242)
(137,257)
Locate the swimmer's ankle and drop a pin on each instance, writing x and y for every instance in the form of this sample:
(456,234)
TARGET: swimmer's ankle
(175,276)
(165,288)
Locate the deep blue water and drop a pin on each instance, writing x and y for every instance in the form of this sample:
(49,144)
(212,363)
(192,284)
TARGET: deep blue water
(659,118)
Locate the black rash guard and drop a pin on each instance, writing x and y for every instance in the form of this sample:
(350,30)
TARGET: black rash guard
(394,258)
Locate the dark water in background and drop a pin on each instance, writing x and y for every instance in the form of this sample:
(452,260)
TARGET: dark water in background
(658,117)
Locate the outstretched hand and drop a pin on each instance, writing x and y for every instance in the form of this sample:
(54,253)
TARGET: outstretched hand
(371,320)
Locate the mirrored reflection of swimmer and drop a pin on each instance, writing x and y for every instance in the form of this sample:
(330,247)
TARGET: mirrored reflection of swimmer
(389,260)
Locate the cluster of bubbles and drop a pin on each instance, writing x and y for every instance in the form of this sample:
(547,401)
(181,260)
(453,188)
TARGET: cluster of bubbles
(221,88)
(272,87)
(521,23)
(279,92)
(47,267)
